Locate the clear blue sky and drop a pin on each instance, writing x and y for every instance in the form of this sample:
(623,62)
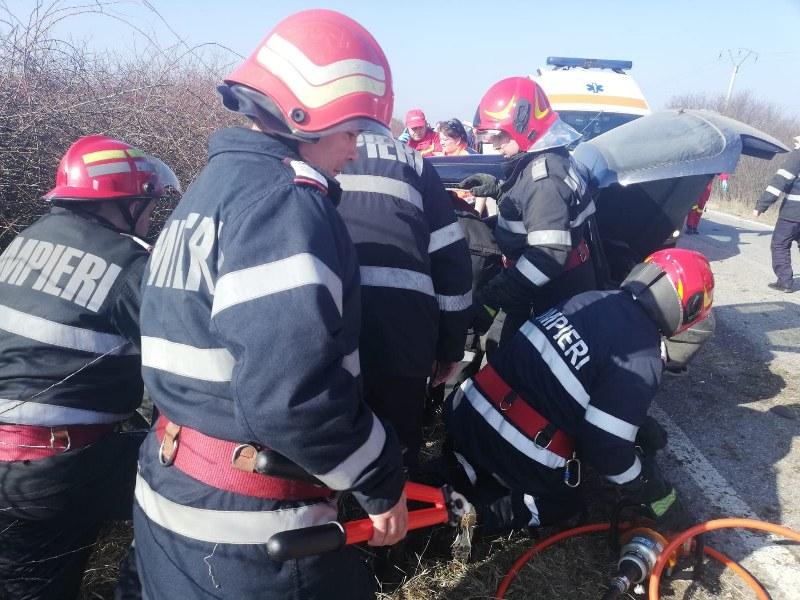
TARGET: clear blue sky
(444,55)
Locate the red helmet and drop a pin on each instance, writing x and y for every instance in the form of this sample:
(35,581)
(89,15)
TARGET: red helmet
(100,168)
(674,286)
(518,107)
(316,72)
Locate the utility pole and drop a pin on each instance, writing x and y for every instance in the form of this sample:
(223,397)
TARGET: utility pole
(742,54)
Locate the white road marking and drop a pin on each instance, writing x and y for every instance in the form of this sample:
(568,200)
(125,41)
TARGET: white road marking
(774,565)
(718,213)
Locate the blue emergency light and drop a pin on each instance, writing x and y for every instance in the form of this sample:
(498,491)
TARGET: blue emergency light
(589,63)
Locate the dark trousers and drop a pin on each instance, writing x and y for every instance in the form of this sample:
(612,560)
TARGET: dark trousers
(400,401)
(172,567)
(501,509)
(51,511)
(783,235)
(571,283)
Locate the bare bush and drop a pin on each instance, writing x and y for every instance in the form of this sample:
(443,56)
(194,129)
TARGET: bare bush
(52,91)
(752,175)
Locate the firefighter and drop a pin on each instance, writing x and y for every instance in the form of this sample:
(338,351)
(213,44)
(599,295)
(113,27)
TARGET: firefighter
(251,316)
(70,370)
(575,383)
(697,210)
(787,227)
(421,137)
(416,281)
(543,206)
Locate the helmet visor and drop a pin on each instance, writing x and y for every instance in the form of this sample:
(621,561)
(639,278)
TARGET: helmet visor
(559,134)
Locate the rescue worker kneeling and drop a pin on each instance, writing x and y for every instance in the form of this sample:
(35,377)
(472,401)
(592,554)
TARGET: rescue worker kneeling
(70,369)
(575,384)
(250,327)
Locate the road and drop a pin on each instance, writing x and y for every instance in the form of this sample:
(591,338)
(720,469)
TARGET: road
(734,420)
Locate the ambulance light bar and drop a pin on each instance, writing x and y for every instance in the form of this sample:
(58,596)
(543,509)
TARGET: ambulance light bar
(589,63)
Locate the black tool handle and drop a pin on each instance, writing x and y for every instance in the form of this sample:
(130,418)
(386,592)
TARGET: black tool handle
(274,464)
(299,543)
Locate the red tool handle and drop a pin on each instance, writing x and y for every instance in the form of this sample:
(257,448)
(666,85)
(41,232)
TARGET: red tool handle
(308,541)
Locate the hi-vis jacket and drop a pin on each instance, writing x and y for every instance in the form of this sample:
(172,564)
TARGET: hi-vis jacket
(543,209)
(416,280)
(590,366)
(786,180)
(250,325)
(69,308)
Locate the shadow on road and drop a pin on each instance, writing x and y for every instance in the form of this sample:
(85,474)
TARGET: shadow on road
(722,241)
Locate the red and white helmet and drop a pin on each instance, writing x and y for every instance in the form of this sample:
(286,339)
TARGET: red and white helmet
(316,72)
(675,287)
(519,107)
(97,168)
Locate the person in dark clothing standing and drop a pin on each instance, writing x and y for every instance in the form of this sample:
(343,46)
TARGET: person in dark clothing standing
(573,384)
(251,314)
(543,206)
(787,227)
(70,370)
(416,280)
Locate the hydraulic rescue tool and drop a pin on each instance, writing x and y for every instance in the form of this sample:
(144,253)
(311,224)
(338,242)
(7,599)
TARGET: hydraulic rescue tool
(448,507)
(641,548)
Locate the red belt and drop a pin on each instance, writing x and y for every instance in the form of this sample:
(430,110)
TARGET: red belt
(522,415)
(579,255)
(33,442)
(225,465)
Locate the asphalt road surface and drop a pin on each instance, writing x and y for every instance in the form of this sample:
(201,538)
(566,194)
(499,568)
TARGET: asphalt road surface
(734,420)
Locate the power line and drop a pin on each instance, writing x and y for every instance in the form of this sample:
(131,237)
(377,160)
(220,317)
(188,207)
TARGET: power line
(737,60)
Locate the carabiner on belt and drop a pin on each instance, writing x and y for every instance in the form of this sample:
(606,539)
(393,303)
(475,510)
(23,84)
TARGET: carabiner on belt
(572,471)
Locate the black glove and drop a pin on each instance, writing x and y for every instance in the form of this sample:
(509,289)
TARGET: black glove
(482,185)
(669,513)
(651,436)
(482,318)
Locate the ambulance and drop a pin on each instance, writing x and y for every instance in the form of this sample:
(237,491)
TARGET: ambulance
(592,95)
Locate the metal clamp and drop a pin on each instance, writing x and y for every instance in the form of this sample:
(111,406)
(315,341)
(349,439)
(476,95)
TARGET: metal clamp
(549,440)
(166,462)
(573,465)
(62,434)
(507,401)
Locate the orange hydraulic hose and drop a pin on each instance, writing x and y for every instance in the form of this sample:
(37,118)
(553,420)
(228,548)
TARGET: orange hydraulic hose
(655,577)
(531,552)
(534,550)
(754,584)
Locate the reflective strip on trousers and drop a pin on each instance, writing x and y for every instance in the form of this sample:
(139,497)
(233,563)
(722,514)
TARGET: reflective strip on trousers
(227,526)
(629,474)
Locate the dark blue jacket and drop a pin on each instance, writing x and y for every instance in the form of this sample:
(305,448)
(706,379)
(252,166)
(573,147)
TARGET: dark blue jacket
(542,214)
(591,366)
(250,325)
(785,181)
(416,276)
(69,309)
